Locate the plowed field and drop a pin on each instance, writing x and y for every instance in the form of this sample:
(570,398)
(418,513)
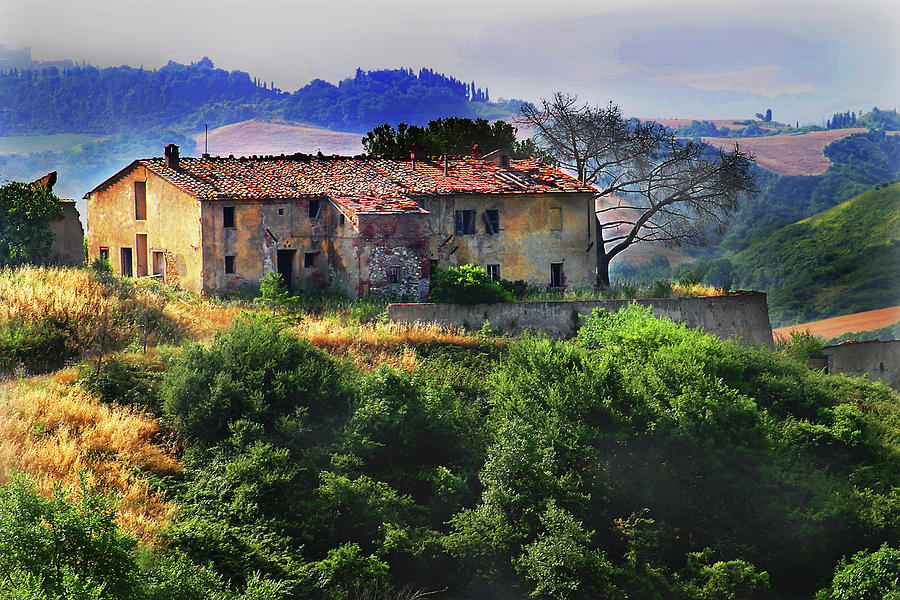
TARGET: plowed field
(835,326)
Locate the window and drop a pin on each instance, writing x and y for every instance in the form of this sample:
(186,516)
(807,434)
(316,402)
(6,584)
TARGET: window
(493,272)
(227,217)
(492,221)
(104,253)
(309,260)
(315,207)
(556,218)
(556,275)
(465,222)
(229,264)
(393,274)
(342,218)
(280,212)
(140,200)
(504,160)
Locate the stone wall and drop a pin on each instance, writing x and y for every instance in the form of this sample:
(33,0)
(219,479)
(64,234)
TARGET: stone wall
(878,360)
(743,315)
(68,237)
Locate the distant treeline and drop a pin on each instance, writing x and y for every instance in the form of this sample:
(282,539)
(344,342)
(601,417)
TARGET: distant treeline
(885,120)
(87,99)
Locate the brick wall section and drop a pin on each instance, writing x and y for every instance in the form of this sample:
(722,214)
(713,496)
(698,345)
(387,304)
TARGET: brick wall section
(743,315)
(876,359)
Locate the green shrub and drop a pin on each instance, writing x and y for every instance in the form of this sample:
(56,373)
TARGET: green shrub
(466,284)
(802,346)
(257,372)
(116,380)
(36,347)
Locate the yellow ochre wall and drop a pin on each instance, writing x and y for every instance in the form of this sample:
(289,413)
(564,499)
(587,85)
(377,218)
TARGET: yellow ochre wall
(172,226)
(525,246)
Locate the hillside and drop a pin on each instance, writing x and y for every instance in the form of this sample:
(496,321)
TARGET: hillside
(793,154)
(326,454)
(827,329)
(278,137)
(844,260)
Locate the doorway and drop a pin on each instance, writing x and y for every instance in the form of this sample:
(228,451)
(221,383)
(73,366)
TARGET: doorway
(125,255)
(286,267)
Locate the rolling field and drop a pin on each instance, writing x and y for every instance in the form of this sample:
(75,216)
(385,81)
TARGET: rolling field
(836,326)
(262,138)
(789,154)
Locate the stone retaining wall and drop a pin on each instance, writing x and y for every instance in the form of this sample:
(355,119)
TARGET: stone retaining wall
(745,315)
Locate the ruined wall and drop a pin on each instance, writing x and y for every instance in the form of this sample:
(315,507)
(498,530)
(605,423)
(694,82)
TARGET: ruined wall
(529,240)
(744,315)
(172,227)
(392,254)
(68,237)
(262,228)
(878,360)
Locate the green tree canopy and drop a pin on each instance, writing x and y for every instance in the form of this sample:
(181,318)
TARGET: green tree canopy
(455,136)
(25,211)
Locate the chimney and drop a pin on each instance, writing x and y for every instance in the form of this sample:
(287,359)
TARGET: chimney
(498,157)
(446,166)
(416,153)
(172,156)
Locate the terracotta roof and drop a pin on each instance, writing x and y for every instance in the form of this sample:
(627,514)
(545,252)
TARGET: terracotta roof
(361,184)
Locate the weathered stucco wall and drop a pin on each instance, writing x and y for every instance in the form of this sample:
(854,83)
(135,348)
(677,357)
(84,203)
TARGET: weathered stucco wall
(68,237)
(530,237)
(261,229)
(172,227)
(743,315)
(876,359)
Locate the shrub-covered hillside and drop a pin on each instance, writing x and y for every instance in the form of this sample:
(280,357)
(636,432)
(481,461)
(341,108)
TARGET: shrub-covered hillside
(841,261)
(640,460)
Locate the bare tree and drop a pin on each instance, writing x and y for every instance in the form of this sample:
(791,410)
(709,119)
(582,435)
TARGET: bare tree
(651,186)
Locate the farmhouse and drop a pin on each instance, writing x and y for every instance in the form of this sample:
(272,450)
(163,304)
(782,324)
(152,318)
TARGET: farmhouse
(363,225)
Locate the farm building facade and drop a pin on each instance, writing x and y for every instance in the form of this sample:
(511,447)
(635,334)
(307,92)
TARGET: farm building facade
(362,225)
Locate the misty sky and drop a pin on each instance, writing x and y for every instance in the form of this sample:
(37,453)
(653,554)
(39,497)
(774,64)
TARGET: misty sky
(805,60)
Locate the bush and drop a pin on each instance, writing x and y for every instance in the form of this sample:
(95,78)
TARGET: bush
(116,380)
(466,284)
(36,347)
(256,372)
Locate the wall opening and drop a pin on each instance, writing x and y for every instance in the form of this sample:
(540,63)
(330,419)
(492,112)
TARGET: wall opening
(104,253)
(315,207)
(556,275)
(229,264)
(140,244)
(140,200)
(309,260)
(493,272)
(159,264)
(286,266)
(125,256)
(228,217)
(492,221)
(465,222)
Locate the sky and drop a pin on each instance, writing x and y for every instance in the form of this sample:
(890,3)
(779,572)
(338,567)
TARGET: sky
(657,59)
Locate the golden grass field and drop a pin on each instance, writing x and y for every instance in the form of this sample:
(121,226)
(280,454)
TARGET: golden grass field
(836,326)
(788,154)
(51,430)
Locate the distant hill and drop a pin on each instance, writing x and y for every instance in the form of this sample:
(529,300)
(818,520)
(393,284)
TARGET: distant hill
(791,154)
(278,137)
(835,327)
(844,260)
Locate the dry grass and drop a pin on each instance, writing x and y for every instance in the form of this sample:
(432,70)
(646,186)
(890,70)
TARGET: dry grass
(789,154)
(375,344)
(80,301)
(51,430)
